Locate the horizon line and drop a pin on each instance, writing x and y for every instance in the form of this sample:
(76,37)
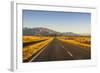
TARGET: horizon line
(60,31)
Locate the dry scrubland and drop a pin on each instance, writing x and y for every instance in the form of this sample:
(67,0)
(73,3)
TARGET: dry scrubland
(84,41)
(34,38)
(32,49)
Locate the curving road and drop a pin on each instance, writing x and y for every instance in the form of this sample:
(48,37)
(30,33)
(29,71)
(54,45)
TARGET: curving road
(58,50)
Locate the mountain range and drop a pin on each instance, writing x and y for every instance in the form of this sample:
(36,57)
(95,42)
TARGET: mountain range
(45,31)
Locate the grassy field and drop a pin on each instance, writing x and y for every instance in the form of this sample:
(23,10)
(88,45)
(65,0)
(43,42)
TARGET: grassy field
(30,50)
(84,41)
(36,43)
(34,38)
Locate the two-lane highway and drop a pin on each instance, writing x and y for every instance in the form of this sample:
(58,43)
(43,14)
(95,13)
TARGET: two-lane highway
(58,50)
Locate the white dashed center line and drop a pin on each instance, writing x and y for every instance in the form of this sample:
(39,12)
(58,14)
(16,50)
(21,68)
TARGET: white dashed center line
(66,50)
(63,47)
(69,53)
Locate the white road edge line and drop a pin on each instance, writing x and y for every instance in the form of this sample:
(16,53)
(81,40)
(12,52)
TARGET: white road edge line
(38,54)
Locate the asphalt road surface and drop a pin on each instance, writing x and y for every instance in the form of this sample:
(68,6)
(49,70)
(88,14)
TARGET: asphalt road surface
(58,50)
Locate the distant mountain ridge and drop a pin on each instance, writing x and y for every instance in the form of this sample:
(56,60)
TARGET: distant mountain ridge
(45,31)
(70,34)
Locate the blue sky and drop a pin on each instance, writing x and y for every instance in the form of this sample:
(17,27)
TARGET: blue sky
(59,21)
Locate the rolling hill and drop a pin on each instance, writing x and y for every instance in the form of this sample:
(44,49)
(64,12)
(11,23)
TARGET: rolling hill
(45,31)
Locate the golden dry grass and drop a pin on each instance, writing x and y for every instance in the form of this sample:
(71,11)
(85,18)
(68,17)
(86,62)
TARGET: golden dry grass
(34,38)
(28,51)
(77,40)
